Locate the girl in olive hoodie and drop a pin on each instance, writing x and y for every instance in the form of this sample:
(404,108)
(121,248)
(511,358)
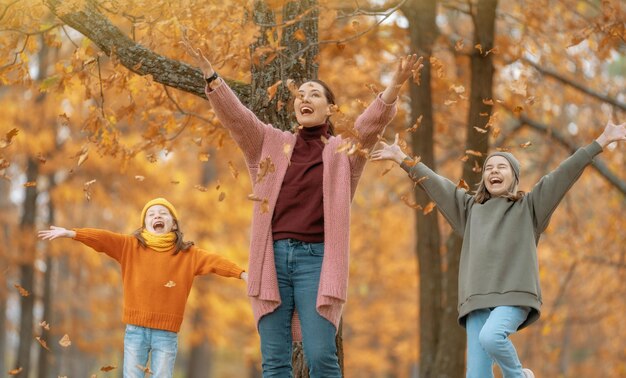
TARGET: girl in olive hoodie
(499,289)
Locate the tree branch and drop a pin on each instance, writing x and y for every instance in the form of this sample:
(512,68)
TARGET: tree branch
(135,57)
(574,84)
(598,165)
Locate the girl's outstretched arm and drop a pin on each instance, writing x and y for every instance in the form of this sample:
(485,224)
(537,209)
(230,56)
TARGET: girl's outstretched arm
(56,232)
(612,133)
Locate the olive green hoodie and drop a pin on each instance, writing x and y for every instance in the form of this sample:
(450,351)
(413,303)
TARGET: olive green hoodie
(498,264)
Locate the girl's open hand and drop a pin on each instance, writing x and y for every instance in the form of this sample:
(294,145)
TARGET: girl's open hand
(389,152)
(612,133)
(56,232)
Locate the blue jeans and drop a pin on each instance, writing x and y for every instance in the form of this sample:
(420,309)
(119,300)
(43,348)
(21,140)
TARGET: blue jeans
(298,268)
(139,342)
(488,341)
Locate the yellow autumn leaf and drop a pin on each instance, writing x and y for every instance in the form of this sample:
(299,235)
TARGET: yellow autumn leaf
(221,197)
(23,292)
(170,284)
(44,324)
(429,207)
(65,341)
(42,342)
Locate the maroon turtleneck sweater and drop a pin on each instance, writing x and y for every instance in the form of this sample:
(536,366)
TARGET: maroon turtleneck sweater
(299,211)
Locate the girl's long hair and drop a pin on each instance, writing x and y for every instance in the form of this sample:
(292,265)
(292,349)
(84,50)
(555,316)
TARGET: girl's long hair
(482,194)
(330,97)
(180,245)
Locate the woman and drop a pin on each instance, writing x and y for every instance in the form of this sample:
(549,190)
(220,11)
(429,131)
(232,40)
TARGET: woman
(300,227)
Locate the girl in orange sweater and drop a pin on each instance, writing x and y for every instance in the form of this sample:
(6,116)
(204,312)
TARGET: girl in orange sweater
(158,269)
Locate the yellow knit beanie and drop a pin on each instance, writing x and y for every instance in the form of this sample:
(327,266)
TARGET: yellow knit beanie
(158,201)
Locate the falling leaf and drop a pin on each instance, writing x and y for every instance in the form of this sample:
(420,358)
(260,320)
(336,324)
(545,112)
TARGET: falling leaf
(30,184)
(459,45)
(271,91)
(265,167)
(87,189)
(170,284)
(233,171)
(42,159)
(63,119)
(265,206)
(409,203)
(287,149)
(299,35)
(108,368)
(462,185)
(23,292)
(253,197)
(518,87)
(487,101)
(429,207)
(476,168)
(475,153)
(421,180)
(518,110)
(526,145)
(494,51)
(496,131)
(201,188)
(44,324)
(203,156)
(483,114)
(42,342)
(218,186)
(417,124)
(464,158)
(482,131)
(221,197)
(479,47)
(6,141)
(437,67)
(340,46)
(449,102)
(15,371)
(458,89)
(145,369)
(83,156)
(65,341)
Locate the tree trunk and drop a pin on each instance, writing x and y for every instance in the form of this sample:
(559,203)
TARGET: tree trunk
(27,271)
(45,357)
(4,263)
(423,32)
(451,348)
(201,353)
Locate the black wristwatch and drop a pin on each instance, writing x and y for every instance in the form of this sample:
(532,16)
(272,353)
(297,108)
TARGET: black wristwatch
(211,78)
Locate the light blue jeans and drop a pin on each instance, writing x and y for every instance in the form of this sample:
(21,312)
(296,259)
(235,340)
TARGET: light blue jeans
(298,268)
(139,342)
(488,341)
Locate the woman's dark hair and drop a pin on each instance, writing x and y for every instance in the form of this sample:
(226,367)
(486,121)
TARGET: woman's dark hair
(330,97)
(181,245)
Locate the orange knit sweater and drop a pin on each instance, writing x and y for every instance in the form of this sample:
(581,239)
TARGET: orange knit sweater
(156,284)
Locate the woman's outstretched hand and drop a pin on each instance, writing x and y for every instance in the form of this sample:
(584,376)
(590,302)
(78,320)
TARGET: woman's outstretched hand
(407,67)
(56,232)
(612,133)
(389,152)
(198,56)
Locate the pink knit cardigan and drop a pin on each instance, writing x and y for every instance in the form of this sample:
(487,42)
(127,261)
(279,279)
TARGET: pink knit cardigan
(342,171)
